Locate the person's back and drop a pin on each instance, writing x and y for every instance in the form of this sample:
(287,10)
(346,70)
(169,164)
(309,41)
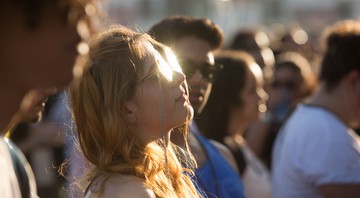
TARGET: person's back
(122,186)
(317,154)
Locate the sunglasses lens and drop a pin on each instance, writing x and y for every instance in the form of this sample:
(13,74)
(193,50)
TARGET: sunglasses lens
(287,85)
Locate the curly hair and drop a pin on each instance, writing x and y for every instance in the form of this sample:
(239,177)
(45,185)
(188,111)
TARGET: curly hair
(106,138)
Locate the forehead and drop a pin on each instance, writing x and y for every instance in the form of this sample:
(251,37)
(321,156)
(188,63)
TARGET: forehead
(194,48)
(286,73)
(150,56)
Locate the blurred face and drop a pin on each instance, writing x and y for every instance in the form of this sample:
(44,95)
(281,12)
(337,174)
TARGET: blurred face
(285,88)
(197,54)
(152,102)
(37,57)
(252,97)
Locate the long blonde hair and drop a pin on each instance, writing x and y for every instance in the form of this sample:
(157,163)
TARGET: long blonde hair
(107,140)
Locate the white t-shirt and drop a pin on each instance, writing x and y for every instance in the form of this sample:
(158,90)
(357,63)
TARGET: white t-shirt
(9,186)
(314,148)
(256,177)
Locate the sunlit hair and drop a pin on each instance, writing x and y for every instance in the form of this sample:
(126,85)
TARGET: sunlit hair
(106,138)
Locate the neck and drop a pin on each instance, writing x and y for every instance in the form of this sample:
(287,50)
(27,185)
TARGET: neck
(168,135)
(178,138)
(9,104)
(332,101)
(236,127)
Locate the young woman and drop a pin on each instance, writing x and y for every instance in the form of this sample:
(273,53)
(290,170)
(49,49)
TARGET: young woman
(125,107)
(234,104)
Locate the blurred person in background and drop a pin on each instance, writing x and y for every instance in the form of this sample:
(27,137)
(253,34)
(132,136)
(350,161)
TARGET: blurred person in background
(125,107)
(40,136)
(293,82)
(316,153)
(256,43)
(296,39)
(194,41)
(234,105)
(38,49)
(31,112)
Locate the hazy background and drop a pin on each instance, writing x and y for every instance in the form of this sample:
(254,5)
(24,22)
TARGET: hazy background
(231,15)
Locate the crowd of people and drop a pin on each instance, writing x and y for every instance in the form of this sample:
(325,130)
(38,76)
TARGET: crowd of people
(94,111)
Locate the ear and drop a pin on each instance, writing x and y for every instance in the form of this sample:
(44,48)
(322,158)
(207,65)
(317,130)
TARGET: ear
(353,80)
(130,111)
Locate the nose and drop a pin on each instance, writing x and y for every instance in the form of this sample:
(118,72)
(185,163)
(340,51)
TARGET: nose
(197,77)
(179,77)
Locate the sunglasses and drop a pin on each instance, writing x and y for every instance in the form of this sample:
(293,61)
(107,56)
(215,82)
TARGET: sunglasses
(207,70)
(290,85)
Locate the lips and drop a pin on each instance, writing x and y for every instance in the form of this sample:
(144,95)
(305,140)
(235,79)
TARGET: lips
(182,97)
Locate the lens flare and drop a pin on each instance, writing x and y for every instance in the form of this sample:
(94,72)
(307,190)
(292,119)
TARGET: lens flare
(165,69)
(171,64)
(172,60)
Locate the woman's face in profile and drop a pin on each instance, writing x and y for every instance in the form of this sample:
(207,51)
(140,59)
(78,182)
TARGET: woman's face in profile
(160,94)
(252,95)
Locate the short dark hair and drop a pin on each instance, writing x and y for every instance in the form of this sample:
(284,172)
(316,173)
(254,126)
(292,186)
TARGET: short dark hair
(246,40)
(171,29)
(342,52)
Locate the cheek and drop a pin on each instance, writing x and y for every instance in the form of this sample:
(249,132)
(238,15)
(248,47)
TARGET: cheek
(251,104)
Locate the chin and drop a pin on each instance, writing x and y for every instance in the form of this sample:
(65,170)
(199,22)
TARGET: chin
(190,113)
(187,116)
(355,125)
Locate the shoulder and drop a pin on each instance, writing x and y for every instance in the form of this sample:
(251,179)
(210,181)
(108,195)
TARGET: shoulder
(226,153)
(126,186)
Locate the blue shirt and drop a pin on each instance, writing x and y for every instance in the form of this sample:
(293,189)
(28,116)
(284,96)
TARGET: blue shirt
(216,178)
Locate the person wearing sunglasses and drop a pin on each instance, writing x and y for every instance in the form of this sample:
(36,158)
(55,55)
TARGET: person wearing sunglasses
(125,107)
(194,41)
